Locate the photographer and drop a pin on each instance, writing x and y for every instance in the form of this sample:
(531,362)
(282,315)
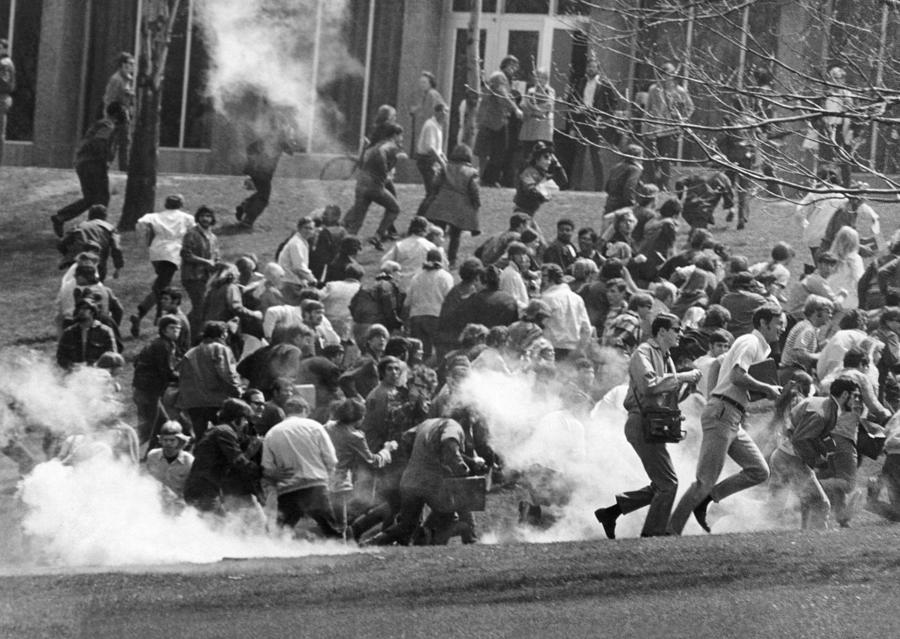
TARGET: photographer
(653,384)
(537,182)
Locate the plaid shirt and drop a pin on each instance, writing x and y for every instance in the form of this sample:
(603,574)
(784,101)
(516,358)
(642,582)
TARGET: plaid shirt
(622,330)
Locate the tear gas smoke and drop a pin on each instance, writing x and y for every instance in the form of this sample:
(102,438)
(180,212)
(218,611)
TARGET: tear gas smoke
(96,509)
(531,428)
(263,50)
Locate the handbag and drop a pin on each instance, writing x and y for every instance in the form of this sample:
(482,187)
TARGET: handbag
(660,424)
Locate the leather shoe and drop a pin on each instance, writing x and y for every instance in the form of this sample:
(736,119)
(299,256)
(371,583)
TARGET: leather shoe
(59,226)
(700,514)
(607,520)
(135,325)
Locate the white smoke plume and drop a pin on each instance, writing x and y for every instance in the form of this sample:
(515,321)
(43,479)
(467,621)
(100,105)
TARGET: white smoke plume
(96,509)
(265,48)
(528,428)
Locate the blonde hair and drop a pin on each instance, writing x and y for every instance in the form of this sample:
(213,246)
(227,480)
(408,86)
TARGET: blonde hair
(846,243)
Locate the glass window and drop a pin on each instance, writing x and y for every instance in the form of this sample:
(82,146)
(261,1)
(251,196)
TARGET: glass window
(24,34)
(524,45)
(574,7)
(527,6)
(487,6)
(186,115)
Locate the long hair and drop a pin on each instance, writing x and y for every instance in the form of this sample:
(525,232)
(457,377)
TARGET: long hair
(846,243)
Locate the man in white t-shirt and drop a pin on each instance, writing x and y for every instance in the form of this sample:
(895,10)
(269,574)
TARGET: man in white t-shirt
(723,419)
(164,233)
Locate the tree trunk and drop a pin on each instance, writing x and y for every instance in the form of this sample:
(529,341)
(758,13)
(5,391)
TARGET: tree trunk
(473,73)
(140,189)
(157,22)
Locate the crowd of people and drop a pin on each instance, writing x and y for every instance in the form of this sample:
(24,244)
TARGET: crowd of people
(311,386)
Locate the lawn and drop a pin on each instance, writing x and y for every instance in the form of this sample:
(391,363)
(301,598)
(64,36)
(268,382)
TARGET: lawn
(30,196)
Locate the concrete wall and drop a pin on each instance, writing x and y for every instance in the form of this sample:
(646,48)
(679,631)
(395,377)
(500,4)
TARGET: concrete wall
(58,106)
(423,50)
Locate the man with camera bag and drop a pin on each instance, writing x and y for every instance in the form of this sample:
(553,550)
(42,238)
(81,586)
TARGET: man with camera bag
(653,420)
(722,422)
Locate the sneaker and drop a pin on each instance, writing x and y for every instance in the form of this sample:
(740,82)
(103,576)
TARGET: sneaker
(376,243)
(135,326)
(58,226)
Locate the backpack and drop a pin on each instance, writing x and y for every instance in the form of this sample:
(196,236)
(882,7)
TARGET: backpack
(364,305)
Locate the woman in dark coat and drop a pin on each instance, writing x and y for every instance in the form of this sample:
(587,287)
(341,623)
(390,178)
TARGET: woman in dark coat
(457,200)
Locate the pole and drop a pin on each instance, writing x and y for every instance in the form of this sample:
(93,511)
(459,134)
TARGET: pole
(370,29)
(10,29)
(314,79)
(186,73)
(879,80)
(686,72)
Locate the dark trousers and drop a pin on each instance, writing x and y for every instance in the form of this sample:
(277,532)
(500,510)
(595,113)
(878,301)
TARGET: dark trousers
(659,166)
(150,415)
(365,196)
(411,506)
(122,140)
(492,146)
(94,190)
(660,494)
(254,205)
(424,327)
(196,290)
(201,416)
(429,170)
(165,271)
(741,186)
(312,502)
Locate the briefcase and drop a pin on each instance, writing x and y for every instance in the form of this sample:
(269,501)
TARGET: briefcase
(766,372)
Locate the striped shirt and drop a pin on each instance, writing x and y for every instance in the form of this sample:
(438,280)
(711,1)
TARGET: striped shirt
(803,338)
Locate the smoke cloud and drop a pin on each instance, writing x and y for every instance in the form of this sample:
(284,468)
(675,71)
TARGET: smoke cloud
(593,461)
(97,509)
(265,49)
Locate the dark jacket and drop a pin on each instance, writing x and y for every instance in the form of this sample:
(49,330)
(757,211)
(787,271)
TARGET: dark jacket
(700,195)
(622,184)
(218,456)
(155,367)
(457,199)
(72,350)
(96,146)
(379,303)
(559,253)
(812,421)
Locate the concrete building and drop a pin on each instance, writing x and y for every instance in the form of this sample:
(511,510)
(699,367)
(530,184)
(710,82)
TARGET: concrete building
(65,50)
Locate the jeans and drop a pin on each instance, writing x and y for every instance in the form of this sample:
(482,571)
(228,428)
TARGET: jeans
(741,186)
(789,472)
(196,291)
(660,494)
(839,480)
(94,190)
(165,271)
(314,503)
(365,196)
(723,434)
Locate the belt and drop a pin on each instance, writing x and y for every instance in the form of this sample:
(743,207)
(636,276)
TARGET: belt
(732,402)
